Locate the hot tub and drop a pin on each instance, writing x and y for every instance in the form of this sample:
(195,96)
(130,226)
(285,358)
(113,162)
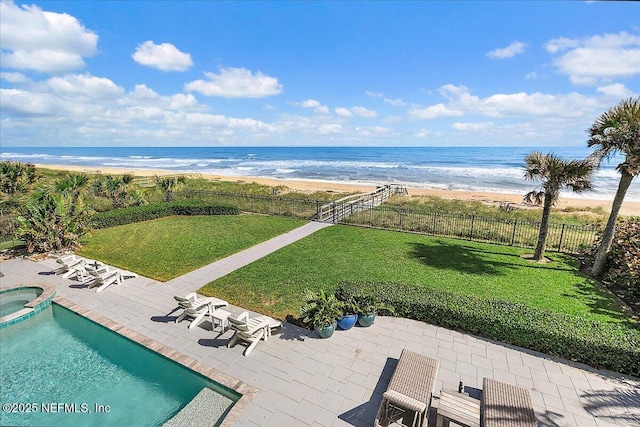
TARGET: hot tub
(21,302)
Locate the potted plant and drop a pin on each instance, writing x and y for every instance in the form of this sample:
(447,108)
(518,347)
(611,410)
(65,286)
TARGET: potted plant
(350,311)
(321,311)
(369,306)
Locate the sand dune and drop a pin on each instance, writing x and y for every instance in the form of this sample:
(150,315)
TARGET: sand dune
(628,208)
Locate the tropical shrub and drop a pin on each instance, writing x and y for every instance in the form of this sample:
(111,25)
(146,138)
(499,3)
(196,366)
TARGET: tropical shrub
(169,184)
(118,189)
(52,220)
(614,346)
(622,268)
(144,213)
(15,177)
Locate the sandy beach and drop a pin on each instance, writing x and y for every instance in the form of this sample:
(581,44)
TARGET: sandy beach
(628,208)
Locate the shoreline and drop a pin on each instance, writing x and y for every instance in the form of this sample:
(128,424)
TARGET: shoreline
(310,186)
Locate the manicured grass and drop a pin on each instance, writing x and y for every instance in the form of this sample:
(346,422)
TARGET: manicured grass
(274,285)
(170,247)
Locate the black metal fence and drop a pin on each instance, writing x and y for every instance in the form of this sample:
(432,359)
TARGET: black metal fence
(513,232)
(561,237)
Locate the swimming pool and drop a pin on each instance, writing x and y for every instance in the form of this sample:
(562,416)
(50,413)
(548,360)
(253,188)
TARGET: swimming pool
(61,369)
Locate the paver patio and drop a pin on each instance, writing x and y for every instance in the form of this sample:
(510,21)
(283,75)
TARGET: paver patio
(304,380)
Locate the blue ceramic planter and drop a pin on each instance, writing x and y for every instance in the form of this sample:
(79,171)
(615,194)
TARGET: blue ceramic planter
(366,320)
(327,330)
(347,321)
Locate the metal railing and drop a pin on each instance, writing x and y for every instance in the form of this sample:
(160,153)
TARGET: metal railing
(513,232)
(342,208)
(365,211)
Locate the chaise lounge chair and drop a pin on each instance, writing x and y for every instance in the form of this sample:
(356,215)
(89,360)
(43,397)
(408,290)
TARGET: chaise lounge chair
(505,405)
(409,392)
(104,280)
(197,307)
(68,265)
(250,330)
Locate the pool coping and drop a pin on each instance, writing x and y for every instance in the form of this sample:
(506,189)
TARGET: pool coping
(32,307)
(246,391)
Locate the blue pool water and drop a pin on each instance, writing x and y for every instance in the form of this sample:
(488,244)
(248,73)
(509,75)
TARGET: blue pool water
(14,300)
(77,370)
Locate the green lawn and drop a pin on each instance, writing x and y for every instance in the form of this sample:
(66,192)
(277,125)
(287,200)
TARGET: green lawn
(275,284)
(170,247)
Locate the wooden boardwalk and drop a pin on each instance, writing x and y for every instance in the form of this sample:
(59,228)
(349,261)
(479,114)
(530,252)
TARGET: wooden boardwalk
(335,211)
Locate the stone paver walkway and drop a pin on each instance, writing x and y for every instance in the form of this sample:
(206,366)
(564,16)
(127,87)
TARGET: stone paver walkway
(306,381)
(200,277)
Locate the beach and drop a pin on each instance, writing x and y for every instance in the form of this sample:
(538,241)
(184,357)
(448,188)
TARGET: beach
(311,186)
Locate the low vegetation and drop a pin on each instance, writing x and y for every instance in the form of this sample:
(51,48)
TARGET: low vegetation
(600,344)
(430,204)
(159,210)
(166,248)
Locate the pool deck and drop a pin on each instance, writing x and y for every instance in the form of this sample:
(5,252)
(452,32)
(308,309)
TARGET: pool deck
(304,380)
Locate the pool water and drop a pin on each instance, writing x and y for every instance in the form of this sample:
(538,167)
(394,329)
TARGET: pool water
(59,361)
(14,300)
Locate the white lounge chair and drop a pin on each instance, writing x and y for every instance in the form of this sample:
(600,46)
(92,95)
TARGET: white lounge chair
(67,265)
(104,280)
(250,330)
(197,307)
(191,298)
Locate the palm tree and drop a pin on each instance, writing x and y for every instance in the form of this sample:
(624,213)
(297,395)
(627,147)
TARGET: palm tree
(169,184)
(555,174)
(74,185)
(616,131)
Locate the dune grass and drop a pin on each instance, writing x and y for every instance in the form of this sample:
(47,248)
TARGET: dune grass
(170,247)
(274,285)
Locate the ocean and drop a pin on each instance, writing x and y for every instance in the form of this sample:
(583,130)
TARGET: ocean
(492,169)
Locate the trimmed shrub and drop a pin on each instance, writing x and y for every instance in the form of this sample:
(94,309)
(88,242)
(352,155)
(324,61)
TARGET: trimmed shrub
(599,344)
(144,213)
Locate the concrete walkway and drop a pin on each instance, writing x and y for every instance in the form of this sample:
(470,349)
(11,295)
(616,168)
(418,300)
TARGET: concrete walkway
(307,381)
(200,277)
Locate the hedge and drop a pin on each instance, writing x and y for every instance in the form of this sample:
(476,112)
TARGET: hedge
(599,344)
(159,210)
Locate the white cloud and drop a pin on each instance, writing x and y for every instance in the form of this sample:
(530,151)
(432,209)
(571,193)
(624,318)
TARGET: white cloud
(531,76)
(316,105)
(393,102)
(13,77)
(236,83)
(473,127)
(344,112)
(85,85)
(363,112)
(33,39)
(510,51)
(461,101)
(433,112)
(21,102)
(587,60)
(422,133)
(616,90)
(310,103)
(164,57)
(374,132)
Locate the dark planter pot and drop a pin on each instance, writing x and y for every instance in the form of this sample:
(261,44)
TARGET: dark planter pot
(366,320)
(347,321)
(327,330)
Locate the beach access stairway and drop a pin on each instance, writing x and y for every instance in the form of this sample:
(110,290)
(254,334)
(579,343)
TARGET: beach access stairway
(335,211)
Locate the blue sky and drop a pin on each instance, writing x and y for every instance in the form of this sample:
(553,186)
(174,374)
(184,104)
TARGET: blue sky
(459,73)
